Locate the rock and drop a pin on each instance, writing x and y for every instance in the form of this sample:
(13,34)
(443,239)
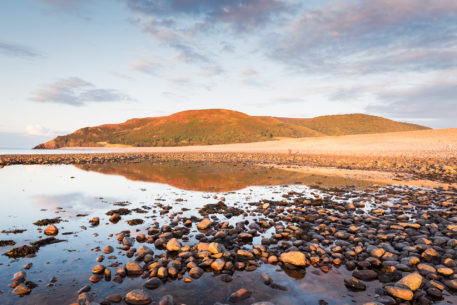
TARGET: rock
(272,259)
(133,268)
(413,281)
(21,290)
(95,221)
(365,275)
(114,298)
(196,272)
(51,230)
(226,278)
(244,253)
(240,295)
(153,283)
(202,247)
(167,300)
(426,268)
(266,279)
(377,252)
(107,274)
(173,245)
(162,272)
(204,224)
(85,298)
(98,269)
(86,288)
(108,250)
(434,293)
(452,284)
(215,248)
(144,250)
(445,271)
(429,254)
(19,276)
(400,292)
(218,264)
(115,218)
(295,258)
(278,287)
(137,297)
(95,278)
(354,284)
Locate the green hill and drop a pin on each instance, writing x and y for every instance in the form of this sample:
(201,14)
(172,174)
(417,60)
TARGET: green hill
(347,124)
(219,126)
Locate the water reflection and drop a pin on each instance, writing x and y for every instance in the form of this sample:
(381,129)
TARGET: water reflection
(218,177)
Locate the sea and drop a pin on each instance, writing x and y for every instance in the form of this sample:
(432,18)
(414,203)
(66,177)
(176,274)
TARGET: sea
(25,151)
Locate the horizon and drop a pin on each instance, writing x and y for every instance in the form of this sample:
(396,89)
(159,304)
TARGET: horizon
(72,64)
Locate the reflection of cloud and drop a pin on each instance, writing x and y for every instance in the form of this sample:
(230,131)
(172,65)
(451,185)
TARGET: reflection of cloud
(75,202)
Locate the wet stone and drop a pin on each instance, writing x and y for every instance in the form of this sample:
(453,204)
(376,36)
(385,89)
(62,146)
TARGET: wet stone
(153,283)
(133,268)
(365,275)
(173,245)
(401,292)
(114,298)
(21,290)
(196,272)
(137,297)
(240,295)
(355,284)
(204,224)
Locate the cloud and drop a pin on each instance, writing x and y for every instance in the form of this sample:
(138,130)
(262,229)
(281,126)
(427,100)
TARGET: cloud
(429,101)
(38,130)
(180,80)
(183,25)
(76,92)
(367,36)
(239,15)
(148,67)
(212,70)
(17,50)
(62,3)
(249,72)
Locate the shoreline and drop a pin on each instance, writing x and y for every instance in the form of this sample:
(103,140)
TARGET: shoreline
(432,172)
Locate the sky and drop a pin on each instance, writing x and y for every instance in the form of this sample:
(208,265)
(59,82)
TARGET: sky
(67,64)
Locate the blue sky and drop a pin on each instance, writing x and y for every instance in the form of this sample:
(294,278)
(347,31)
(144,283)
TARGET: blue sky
(67,64)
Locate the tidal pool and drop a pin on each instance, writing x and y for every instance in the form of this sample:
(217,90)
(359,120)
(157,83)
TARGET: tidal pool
(76,194)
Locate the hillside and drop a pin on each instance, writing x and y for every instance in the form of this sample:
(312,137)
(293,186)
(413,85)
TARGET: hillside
(220,126)
(348,124)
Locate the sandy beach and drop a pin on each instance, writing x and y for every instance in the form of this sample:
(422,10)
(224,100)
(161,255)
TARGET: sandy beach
(439,143)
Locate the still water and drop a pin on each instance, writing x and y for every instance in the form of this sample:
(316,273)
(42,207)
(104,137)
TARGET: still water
(77,194)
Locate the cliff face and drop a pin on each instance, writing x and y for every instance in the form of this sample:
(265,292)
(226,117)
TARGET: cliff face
(221,126)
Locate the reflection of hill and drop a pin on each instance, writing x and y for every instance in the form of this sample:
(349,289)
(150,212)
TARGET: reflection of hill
(218,177)
(198,176)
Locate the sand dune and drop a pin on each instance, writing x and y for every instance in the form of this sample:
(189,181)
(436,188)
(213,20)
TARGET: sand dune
(424,143)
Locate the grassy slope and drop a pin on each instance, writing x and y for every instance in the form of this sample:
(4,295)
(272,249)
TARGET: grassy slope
(219,126)
(347,124)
